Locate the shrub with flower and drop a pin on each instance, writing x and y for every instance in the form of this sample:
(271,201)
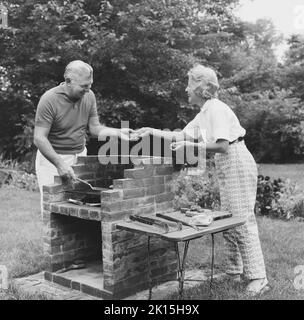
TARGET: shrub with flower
(277,198)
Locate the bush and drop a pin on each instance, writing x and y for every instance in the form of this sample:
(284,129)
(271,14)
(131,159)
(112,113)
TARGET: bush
(24,180)
(278,198)
(21,174)
(197,190)
(274,126)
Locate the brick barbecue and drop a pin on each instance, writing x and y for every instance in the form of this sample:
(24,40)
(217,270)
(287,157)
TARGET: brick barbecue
(116,261)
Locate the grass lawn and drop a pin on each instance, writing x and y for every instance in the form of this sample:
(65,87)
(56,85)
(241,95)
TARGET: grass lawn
(282,243)
(294,172)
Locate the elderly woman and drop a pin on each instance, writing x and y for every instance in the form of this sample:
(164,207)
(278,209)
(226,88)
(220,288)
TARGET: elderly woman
(236,171)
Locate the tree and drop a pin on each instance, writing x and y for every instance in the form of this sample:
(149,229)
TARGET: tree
(292,73)
(140,51)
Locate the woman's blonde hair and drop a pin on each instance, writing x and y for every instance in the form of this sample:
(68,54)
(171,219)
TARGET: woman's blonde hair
(206,81)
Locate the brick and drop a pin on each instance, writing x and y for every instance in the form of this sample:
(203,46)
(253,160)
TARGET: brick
(62,281)
(83,213)
(115,216)
(108,207)
(73,211)
(164,170)
(95,214)
(156,180)
(86,176)
(107,228)
(110,195)
(81,168)
(64,209)
(75,285)
(87,159)
(127,183)
(46,206)
(139,202)
(48,276)
(168,196)
(56,241)
(57,266)
(56,188)
(168,178)
(139,162)
(168,187)
(54,197)
(46,215)
(139,173)
(133,193)
(54,208)
(145,210)
(156,189)
(91,290)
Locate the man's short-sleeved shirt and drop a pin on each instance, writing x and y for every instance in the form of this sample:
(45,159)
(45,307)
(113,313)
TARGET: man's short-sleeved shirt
(67,119)
(216,121)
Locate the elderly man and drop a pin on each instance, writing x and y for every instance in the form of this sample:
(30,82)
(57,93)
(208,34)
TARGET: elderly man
(63,115)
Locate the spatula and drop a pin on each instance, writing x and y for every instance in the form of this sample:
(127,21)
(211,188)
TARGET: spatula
(87,183)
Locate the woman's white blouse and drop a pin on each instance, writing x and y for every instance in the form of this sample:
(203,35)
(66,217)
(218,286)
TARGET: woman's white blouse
(215,121)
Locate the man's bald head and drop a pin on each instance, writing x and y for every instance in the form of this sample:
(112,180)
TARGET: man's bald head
(78,69)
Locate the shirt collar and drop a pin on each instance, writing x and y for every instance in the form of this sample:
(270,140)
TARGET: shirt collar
(205,106)
(61,89)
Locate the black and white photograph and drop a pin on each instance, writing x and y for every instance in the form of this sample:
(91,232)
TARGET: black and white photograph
(151,150)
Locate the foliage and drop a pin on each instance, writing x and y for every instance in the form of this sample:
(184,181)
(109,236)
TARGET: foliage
(21,174)
(292,73)
(274,124)
(197,190)
(140,51)
(24,180)
(278,198)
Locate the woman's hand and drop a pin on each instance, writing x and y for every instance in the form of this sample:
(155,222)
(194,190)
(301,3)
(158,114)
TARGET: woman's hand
(174,146)
(128,134)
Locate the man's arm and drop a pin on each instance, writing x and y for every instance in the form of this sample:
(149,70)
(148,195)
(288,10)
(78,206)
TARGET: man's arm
(43,144)
(98,130)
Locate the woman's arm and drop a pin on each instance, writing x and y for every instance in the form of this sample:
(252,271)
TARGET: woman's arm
(166,134)
(220,146)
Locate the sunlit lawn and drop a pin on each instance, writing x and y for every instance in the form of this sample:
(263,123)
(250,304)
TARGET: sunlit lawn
(282,243)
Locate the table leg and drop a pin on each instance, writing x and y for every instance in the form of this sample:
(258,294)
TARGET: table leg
(149,271)
(212,265)
(181,267)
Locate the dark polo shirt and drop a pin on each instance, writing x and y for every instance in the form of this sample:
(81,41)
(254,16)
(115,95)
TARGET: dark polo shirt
(66,119)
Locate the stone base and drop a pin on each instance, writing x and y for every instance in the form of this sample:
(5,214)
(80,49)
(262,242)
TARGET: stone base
(36,284)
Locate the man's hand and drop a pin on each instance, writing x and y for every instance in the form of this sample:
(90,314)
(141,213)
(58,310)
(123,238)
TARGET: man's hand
(143,132)
(128,134)
(66,172)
